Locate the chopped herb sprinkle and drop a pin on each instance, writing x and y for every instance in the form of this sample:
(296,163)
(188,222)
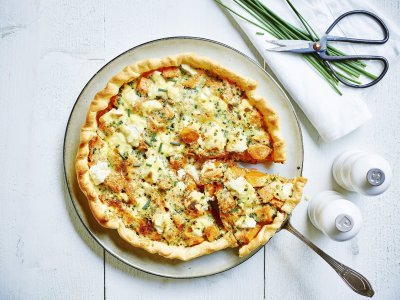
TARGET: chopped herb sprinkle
(146,206)
(123,156)
(160,147)
(153,137)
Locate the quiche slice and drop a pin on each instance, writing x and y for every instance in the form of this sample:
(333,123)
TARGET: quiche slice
(252,205)
(146,138)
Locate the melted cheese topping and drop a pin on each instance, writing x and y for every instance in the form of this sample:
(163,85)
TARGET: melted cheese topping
(181,174)
(200,200)
(214,138)
(246,222)
(237,141)
(192,171)
(99,172)
(134,130)
(200,224)
(151,105)
(129,96)
(162,222)
(155,166)
(281,191)
(189,69)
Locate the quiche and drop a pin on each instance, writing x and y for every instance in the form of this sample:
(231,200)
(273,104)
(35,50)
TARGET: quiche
(158,152)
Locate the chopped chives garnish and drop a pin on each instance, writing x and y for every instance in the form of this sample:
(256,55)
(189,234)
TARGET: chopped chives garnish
(162,90)
(264,18)
(123,156)
(175,143)
(147,143)
(159,148)
(153,137)
(146,205)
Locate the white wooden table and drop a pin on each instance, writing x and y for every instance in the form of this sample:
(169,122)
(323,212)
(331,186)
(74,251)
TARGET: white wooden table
(48,51)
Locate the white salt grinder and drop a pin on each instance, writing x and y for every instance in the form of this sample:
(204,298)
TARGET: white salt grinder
(362,172)
(335,216)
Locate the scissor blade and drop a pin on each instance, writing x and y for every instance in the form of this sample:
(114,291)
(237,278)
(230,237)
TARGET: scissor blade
(298,46)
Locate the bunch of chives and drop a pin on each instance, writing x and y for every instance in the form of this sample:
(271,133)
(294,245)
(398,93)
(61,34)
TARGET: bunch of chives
(265,19)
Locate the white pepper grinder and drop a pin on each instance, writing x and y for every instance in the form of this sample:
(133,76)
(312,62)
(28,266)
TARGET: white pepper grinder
(335,216)
(366,173)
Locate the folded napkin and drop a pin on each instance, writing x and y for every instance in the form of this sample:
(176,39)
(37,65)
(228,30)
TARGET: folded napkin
(332,115)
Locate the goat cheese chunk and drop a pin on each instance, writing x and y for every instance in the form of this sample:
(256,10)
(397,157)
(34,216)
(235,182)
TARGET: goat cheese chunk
(246,222)
(99,172)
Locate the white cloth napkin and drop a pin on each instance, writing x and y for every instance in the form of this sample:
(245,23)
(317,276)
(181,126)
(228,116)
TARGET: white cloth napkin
(332,115)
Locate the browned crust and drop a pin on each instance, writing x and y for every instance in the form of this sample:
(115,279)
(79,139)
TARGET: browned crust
(177,252)
(267,231)
(88,131)
(291,203)
(271,120)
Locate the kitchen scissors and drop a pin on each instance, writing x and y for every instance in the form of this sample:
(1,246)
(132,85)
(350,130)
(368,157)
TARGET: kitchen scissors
(320,47)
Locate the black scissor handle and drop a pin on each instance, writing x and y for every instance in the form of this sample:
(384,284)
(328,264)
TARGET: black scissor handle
(327,59)
(356,40)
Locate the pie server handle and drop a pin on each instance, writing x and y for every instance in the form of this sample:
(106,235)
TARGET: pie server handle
(353,279)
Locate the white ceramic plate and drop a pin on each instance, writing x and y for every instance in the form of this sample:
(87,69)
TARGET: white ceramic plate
(225,55)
